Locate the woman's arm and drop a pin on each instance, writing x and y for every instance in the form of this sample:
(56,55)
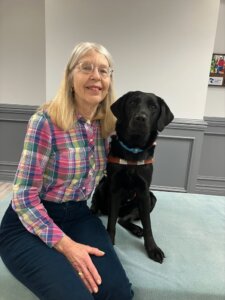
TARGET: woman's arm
(29,179)
(32,213)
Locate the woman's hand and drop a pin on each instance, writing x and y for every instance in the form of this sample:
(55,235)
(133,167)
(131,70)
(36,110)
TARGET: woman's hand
(79,257)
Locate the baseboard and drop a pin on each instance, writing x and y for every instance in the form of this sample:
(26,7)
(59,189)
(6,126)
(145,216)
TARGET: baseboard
(211,185)
(168,189)
(211,177)
(7,170)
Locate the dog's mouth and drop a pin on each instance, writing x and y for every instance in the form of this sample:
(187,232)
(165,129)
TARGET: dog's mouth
(139,131)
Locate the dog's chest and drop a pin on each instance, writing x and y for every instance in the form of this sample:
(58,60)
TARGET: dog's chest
(132,177)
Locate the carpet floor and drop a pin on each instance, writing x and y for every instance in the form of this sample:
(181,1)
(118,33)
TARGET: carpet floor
(190,228)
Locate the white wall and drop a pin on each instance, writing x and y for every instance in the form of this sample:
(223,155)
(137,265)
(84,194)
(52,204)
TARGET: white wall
(158,46)
(215,102)
(22,52)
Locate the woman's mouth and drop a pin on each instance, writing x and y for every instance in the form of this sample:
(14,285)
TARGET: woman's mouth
(94,88)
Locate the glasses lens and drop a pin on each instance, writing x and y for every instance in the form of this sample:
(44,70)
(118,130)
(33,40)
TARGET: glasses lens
(104,71)
(88,68)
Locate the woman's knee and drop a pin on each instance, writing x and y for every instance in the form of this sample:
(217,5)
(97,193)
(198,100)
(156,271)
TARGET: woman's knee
(65,291)
(114,290)
(122,292)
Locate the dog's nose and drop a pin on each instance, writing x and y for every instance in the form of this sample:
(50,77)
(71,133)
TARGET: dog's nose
(140,117)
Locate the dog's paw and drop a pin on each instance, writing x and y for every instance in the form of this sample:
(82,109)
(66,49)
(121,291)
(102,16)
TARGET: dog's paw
(136,230)
(132,228)
(156,254)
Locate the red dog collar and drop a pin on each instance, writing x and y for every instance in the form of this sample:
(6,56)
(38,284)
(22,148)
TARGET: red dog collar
(117,160)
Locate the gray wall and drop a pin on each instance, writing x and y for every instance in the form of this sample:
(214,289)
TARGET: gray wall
(13,123)
(190,157)
(211,174)
(189,154)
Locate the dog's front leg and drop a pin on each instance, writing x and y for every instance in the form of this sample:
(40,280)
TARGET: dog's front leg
(154,252)
(114,206)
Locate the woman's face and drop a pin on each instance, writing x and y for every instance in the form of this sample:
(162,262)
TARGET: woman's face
(91,87)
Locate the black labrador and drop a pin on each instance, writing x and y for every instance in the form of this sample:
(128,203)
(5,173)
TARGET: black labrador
(124,192)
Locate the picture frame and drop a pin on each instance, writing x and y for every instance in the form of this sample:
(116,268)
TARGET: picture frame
(217,70)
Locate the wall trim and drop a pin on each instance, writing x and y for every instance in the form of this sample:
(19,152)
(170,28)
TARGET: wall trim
(188,124)
(189,156)
(211,185)
(17,108)
(215,121)
(16,113)
(209,182)
(187,135)
(168,188)
(12,114)
(7,170)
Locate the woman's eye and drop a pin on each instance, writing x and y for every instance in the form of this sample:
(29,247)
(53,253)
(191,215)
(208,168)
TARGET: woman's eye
(87,67)
(103,71)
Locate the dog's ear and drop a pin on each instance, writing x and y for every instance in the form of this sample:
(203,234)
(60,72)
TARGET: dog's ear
(117,107)
(165,117)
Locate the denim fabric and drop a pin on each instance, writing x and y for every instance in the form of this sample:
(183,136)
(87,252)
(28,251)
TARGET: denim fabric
(46,272)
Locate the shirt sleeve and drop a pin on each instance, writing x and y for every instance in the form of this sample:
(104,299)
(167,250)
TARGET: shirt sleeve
(29,179)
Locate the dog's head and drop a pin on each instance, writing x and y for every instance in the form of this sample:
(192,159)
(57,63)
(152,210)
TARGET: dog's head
(142,111)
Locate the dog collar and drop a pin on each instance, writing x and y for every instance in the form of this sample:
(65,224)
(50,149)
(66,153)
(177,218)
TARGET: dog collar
(133,150)
(120,161)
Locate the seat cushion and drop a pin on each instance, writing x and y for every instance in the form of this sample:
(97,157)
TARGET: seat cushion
(190,230)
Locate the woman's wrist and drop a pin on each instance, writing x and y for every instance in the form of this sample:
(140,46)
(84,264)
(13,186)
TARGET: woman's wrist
(63,244)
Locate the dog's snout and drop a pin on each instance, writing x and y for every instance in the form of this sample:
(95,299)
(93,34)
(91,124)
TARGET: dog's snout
(141,117)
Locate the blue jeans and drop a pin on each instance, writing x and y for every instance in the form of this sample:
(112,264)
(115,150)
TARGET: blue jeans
(46,272)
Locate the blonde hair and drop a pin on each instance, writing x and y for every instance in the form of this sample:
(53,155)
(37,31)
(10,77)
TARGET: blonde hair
(62,108)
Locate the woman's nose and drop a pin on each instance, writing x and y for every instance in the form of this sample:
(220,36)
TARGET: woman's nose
(95,73)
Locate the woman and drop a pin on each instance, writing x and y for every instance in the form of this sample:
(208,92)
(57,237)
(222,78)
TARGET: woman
(49,239)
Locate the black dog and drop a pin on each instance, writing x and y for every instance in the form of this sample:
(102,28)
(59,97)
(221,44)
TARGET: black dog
(124,192)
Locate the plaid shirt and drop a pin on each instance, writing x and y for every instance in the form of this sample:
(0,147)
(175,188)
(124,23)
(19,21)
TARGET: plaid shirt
(56,166)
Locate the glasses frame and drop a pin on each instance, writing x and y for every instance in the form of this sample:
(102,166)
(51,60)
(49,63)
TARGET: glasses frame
(93,67)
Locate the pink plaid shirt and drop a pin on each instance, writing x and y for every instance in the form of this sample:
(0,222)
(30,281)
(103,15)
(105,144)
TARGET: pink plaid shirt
(56,166)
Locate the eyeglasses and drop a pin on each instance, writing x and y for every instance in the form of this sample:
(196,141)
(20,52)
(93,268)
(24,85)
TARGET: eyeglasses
(88,68)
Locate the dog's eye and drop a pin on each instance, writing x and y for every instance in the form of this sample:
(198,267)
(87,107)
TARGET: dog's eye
(152,106)
(132,102)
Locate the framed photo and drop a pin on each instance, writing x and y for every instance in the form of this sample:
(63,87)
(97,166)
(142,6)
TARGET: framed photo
(217,70)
